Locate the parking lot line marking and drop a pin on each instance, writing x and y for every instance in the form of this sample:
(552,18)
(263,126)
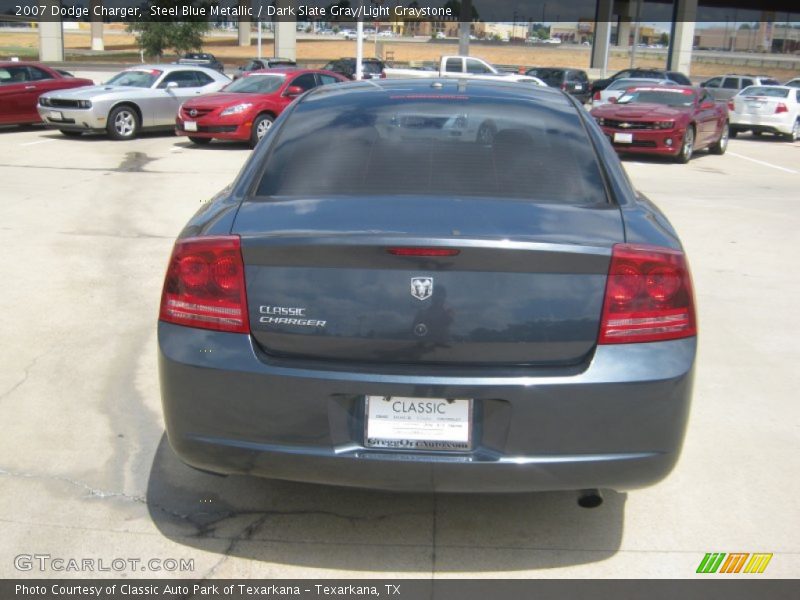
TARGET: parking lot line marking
(761,162)
(37,142)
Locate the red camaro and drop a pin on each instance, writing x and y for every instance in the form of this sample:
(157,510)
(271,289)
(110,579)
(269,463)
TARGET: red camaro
(245,109)
(21,84)
(668,120)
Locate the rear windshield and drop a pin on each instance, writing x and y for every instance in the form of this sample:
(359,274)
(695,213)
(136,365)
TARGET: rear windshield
(665,97)
(756,90)
(401,142)
(552,77)
(256,84)
(622,84)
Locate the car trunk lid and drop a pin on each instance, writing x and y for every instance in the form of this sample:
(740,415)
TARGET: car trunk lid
(757,104)
(334,279)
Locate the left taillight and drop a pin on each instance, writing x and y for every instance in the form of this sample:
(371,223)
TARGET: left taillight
(204,286)
(648,297)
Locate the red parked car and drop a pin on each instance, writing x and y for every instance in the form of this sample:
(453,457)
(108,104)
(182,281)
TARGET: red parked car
(21,84)
(245,109)
(668,120)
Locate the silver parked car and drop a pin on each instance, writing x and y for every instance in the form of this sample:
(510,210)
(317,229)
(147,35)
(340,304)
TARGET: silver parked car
(142,97)
(727,86)
(380,300)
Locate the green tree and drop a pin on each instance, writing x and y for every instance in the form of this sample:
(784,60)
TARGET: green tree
(156,35)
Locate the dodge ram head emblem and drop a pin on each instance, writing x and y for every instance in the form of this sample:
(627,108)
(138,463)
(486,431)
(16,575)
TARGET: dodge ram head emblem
(421,287)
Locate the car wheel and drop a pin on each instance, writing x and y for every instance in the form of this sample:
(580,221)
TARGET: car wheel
(687,148)
(721,144)
(261,126)
(199,141)
(486,133)
(732,133)
(70,133)
(123,123)
(756,134)
(795,135)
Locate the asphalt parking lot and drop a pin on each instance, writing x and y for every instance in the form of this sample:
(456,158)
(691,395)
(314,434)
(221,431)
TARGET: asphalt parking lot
(87,226)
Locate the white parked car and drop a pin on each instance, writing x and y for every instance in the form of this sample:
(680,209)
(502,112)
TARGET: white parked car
(766,109)
(462,67)
(618,87)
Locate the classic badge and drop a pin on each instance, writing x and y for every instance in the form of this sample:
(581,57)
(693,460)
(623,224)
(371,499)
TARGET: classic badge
(421,287)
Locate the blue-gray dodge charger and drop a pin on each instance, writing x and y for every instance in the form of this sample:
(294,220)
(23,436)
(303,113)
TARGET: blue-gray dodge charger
(430,285)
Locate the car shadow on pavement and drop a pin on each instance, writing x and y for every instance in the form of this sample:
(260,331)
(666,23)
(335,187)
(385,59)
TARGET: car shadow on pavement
(322,527)
(214,145)
(652,159)
(100,136)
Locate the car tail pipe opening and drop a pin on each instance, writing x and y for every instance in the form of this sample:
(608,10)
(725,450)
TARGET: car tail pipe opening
(590,498)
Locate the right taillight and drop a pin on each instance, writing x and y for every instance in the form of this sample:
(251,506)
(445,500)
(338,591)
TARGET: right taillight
(596,96)
(781,108)
(648,296)
(205,287)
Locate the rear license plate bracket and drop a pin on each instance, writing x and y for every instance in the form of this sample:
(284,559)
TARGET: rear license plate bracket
(408,423)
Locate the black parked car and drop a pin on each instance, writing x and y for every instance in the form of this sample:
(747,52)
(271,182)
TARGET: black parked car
(572,81)
(256,64)
(202,59)
(372,68)
(675,76)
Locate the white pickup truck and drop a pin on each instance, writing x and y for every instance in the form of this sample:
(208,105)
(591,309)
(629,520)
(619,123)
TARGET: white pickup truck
(461,67)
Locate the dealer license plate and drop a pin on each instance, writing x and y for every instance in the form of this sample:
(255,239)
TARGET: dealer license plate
(56,115)
(623,138)
(190,126)
(404,423)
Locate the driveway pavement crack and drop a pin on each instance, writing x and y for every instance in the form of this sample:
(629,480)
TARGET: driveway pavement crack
(246,534)
(26,374)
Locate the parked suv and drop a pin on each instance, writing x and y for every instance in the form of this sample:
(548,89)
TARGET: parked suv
(572,81)
(256,64)
(675,76)
(372,67)
(202,59)
(727,86)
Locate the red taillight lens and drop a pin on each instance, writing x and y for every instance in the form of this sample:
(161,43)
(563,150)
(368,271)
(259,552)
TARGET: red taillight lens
(596,96)
(781,108)
(405,251)
(204,286)
(731,105)
(648,296)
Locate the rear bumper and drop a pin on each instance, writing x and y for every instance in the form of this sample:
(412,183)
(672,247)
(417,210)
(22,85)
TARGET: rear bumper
(617,424)
(216,129)
(781,123)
